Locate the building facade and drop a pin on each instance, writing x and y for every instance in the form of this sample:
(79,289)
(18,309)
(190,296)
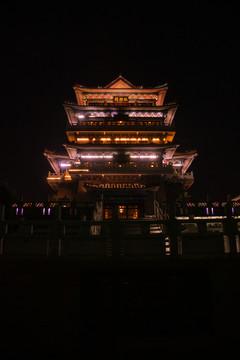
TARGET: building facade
(120,157)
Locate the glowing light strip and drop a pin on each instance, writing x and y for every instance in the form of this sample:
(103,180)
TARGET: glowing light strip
(200,217)
(98,114)
(53,178)
(145,114)
(82,139)
(96,156)
(77,170)
(131,139)
(65,164)
(143,156)
(125,139)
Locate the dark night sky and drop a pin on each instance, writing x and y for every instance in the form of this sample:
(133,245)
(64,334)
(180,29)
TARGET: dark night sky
(46,49)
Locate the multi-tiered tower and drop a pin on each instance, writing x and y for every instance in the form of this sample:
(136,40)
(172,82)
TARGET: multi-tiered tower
(120,149)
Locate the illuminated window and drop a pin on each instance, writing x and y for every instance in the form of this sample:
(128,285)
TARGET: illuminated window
(108,213)
(122,212)
(132,212)
(128,211)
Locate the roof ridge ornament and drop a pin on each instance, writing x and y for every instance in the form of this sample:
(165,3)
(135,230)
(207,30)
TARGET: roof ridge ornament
(121,83)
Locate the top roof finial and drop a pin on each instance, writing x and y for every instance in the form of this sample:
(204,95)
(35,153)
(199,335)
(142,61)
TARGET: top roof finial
(120,82)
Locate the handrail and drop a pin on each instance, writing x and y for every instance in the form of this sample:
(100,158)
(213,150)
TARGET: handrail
(175,236)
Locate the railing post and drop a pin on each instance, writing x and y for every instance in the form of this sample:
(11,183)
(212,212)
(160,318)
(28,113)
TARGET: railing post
(55,238)
(115,233)
(173,230)
(231,229)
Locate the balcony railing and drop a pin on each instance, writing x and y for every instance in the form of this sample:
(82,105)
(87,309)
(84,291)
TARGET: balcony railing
(59,230)
(131,125)
(166,171)
(129,169)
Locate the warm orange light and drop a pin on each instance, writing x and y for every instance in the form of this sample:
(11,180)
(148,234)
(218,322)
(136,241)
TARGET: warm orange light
(105,139)
(67,176)
(125,139)
(53,178)
(86,170)
(82,139)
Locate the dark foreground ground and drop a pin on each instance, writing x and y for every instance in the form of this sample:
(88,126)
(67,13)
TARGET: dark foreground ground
(57,307)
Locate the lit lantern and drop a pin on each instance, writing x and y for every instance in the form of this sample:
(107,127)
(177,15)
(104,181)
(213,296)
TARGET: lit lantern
(67,176)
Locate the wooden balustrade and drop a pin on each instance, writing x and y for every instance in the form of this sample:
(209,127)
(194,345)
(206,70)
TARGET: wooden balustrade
(177,236)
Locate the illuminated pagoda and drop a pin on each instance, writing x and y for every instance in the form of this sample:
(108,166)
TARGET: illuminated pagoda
(120,153)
